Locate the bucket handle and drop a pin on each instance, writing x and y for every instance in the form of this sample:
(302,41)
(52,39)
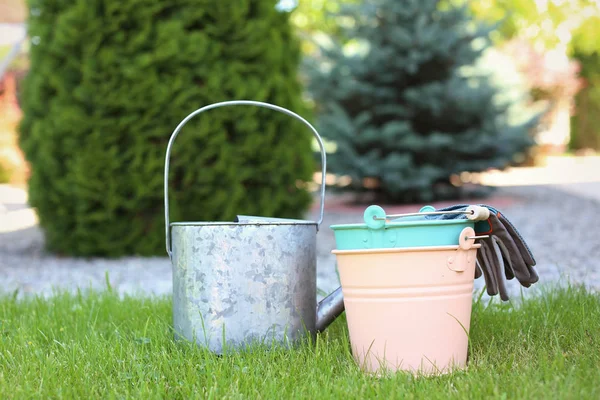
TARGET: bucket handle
(233,103)
(376,218)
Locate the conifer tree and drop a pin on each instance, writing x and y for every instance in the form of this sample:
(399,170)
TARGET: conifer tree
(403,104)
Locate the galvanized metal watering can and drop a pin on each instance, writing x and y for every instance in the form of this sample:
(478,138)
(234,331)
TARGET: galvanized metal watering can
(250,280)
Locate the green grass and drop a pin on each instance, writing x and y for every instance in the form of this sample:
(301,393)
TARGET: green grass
(97,345)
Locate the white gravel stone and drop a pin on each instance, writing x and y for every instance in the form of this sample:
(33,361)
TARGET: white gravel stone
(558,225)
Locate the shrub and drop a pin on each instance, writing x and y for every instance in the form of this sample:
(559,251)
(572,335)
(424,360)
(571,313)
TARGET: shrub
(405,105)
(585,133)
(585,128)
(109,82)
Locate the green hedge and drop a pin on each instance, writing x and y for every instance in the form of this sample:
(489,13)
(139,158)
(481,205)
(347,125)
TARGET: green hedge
(109,82)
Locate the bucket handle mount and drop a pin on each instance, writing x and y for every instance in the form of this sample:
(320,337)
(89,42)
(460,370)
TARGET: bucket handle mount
(233,103)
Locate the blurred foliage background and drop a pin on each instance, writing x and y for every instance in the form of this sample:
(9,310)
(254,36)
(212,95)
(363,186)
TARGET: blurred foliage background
(408,97)
(109,82)
(499,83)
(552,44)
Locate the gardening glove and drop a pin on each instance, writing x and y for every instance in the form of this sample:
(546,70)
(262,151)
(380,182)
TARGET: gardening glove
(504,254)
(515,251)
(491,261)
(478,271)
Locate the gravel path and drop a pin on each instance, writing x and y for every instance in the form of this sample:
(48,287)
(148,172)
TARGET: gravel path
(553,220)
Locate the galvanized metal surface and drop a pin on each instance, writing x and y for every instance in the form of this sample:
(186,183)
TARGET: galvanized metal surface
(252,280)
(329,309)
(233,285)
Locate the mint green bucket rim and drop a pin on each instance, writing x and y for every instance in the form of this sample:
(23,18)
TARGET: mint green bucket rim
(375,217)
(381,230)
(402,223)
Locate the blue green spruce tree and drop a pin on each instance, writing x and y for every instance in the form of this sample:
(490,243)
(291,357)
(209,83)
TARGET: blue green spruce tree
(108,84)
(398,94)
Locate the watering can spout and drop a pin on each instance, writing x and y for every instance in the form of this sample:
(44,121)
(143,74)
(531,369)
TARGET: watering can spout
(329,309)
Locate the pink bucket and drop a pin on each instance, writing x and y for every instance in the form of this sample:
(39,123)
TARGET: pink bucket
(409,308)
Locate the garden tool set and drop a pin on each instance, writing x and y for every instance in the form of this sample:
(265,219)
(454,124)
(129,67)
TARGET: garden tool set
(406,279)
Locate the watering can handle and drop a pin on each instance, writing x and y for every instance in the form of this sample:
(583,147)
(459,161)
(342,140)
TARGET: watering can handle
(234,103)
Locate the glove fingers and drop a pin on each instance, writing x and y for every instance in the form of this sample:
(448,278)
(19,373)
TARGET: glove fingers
(523,248)
(533,276)
(508,269)
(486,276)
(521,271)
(478,271)
(498,266)
(490,281)
(518,264)
(489,256)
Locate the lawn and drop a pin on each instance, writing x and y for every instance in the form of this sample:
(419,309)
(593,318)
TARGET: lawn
(98,345)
